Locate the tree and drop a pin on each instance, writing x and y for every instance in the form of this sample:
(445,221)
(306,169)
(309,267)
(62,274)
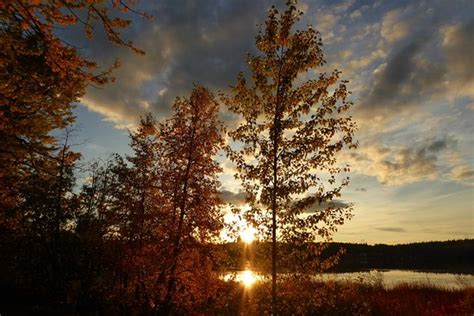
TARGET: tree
(188,143)
(41,76)
(291,131)
(163,210)
(33,102)
(48,207)
(138,213)
(97,253)
(41,18)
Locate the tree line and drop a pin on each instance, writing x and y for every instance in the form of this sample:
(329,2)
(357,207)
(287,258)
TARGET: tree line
(453,256)
(141,234)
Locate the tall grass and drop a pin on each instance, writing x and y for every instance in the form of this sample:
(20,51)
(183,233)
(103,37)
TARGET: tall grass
(363,297)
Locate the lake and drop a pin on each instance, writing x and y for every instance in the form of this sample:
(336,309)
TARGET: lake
(389,278)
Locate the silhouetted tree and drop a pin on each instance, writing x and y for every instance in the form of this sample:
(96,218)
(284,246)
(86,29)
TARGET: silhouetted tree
(137,209)
(48,204)
(99,251)
(286,145)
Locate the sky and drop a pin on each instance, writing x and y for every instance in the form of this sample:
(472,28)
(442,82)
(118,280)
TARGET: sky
(410,68)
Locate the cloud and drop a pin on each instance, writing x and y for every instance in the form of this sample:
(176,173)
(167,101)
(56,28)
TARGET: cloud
(397,72)
(394,27)
(325,24)
(317,207)
(391,88)
(397,165)
(366,60)
(206,43)
(458,45)
(392,229)
(355,14)
(232,197)
(411,76)
(462,173)
(343,6)
(188,42)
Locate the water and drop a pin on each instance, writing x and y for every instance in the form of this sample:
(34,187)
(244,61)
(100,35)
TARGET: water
(391,278)
(387,278)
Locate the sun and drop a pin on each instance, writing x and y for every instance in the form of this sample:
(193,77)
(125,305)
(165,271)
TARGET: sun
(248,278)
(247,234)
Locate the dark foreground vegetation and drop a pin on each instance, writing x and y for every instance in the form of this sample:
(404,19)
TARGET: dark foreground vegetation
(304,297)
(298,297)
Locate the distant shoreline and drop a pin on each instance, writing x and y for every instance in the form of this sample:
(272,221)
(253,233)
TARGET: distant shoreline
(453,256)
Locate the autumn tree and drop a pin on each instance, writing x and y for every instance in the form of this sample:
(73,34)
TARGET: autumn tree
(41,76)
(286,144)
(189,140)
(135,212)
(162,210)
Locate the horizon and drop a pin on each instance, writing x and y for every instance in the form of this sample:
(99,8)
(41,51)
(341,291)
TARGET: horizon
(368,244)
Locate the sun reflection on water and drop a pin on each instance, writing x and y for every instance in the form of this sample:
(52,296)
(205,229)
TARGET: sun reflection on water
(248,278)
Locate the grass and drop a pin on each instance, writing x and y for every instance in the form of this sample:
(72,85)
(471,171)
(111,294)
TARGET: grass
(311,297)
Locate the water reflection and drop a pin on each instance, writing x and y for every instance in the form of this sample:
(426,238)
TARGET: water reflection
(388,279)
(392,278)
(247,277)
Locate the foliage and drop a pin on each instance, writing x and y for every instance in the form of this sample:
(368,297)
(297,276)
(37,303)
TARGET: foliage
(291,131)
(41,76)
(41,19)
(188,143)
(312,297)
(39,241)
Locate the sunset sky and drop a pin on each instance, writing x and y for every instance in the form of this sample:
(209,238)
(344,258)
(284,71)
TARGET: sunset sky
(411,70)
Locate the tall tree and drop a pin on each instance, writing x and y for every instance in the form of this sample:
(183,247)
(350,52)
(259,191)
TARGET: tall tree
(97,251)
(287,141)
(189,141)
(135,213)
(48,206)
(41,76)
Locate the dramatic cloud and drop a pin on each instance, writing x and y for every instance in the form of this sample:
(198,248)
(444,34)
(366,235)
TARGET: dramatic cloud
(400,165)
(206,43)
(187,43)
(412,77)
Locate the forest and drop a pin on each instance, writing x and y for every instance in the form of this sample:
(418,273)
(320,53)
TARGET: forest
(454,256)
(142,233)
